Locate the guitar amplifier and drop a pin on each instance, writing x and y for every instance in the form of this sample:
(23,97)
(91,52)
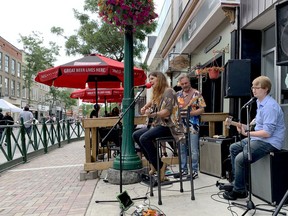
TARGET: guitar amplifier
(213,153)
(269,177)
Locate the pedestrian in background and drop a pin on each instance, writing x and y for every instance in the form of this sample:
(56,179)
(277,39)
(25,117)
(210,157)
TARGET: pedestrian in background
(27,119)
(8,119)
(2,122)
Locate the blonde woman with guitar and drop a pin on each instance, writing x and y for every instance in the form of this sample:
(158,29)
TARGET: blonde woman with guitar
(166,118)
(268,136)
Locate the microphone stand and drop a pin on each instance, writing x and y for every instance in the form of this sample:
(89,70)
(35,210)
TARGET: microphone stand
(250,205)
(121,165)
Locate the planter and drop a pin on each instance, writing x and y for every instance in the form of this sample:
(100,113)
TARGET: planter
(127,13)
(214,72)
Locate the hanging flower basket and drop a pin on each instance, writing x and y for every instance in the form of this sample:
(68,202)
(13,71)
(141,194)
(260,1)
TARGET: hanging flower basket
(124,13)
(214,72)
(179,63)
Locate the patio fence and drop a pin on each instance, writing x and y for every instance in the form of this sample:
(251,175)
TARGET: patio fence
(17,146)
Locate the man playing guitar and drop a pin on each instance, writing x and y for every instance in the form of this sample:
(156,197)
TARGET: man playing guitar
(267,137)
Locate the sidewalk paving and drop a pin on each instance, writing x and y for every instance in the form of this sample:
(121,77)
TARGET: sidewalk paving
(47,185)
(50,185)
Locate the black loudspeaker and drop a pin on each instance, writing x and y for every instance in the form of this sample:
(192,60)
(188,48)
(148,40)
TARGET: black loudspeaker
(269,177)
(213,153)
(282,33)
(237,78)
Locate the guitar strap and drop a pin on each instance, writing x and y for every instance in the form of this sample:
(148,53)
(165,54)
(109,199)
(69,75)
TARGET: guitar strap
(187,98)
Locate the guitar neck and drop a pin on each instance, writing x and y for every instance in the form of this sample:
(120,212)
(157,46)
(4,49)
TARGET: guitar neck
(234,123)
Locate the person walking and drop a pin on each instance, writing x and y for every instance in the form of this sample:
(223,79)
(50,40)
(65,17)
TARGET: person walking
(189,96)
(27,119)
(2,123)
(268,136)
(8,119)
(165,121)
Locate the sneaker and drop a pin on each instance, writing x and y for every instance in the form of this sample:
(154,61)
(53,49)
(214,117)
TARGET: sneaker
(194,175)
(233,195)
(184,173)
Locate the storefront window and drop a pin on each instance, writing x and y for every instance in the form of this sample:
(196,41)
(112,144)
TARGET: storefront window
(284,84)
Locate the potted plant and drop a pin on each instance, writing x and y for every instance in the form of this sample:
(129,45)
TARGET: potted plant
(214,71)
(123,13)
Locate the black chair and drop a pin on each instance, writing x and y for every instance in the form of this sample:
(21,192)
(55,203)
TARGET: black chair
(112,142)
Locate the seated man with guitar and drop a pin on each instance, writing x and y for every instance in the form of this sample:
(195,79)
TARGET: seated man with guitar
(166,121)
(268,136)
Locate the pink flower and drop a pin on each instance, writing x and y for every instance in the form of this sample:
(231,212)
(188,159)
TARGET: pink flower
(122,12)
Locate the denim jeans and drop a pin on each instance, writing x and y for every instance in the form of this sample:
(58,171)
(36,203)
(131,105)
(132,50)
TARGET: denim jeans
(194,142)
(144,138)
(239,159)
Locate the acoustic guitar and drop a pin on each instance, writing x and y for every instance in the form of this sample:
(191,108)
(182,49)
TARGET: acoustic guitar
(151,119)
(228,122)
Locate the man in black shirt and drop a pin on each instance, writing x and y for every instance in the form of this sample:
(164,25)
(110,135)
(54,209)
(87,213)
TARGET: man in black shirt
(95,111)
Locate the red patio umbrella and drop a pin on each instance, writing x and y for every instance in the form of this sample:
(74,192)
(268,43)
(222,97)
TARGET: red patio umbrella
(103,100)
(96,70)
(102,93)
(105,95)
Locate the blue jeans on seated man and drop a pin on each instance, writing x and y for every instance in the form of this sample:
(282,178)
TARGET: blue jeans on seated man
(239,159)
(194,142)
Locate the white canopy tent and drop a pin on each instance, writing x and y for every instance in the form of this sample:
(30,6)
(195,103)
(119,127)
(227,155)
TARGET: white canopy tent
(5,105)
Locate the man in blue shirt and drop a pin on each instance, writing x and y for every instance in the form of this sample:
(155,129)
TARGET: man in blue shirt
(267,137)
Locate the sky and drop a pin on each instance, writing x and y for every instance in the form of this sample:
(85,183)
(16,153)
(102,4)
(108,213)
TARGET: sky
(24,17)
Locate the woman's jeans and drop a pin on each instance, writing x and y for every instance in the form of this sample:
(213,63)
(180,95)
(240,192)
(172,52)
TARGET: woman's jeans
(145,139)
(239,159)
(194,142)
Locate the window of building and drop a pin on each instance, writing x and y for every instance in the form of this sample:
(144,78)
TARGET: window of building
(6,86)
(13,88)
(13,67)
(18,69)
(269,58)
(1,86)
(18,91)
(34,94)
(1,59)
(24,92)
(284,84)
(6,64)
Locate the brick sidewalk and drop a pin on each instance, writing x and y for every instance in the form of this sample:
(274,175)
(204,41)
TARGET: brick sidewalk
(48,185)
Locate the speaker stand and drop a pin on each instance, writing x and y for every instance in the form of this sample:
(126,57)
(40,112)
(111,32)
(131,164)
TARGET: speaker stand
(283,200)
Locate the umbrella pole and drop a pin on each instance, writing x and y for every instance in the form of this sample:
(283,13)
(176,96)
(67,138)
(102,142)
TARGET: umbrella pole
(96,93)
(105,106)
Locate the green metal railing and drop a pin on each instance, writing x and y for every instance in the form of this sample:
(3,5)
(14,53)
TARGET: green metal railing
(17,146)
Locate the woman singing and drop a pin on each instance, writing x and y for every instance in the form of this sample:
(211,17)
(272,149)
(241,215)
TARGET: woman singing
(166,117)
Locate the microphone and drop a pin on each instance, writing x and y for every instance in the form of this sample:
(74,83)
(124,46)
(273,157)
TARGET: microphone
(146,85)
(252,100)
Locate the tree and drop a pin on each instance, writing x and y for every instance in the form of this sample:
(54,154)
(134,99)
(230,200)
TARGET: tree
(63,96)
(66,100)
(37,58)
(95,36)
(54,95)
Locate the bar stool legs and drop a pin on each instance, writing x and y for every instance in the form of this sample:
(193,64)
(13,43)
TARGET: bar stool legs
(159,183)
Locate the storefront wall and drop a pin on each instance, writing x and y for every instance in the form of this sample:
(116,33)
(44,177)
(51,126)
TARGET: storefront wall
(260,16)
